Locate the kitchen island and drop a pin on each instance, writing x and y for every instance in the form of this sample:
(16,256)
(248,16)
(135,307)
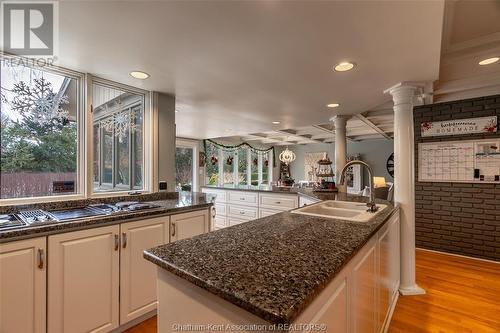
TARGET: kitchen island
(281,270)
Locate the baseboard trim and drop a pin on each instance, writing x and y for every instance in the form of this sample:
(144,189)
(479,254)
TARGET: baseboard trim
(387,322)
(134,322)
(459,255)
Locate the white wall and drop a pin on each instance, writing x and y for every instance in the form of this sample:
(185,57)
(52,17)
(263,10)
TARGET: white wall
(166,139)
(374,152)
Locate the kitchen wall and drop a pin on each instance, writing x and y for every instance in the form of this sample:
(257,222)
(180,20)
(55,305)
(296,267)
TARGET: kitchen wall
(166,138)
(460,218)
(374,152)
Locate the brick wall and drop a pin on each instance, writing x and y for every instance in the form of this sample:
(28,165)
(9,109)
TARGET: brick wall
(458,218)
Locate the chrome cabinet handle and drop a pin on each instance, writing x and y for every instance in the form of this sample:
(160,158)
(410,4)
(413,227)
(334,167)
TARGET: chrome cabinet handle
(214,212)
(173,228)
(242,198)
(278,202)
(124,239)
(117,242)
(41,258)
(242,212)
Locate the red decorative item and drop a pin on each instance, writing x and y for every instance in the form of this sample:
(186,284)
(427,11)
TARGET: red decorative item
(255,161)
(426,126)
(266,163)
(229,160)
(214,160)
(491,127)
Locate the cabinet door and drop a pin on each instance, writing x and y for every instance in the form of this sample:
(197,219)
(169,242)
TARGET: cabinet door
(364,292)
(84,281)
(188,225)
(22,286)
(137,275)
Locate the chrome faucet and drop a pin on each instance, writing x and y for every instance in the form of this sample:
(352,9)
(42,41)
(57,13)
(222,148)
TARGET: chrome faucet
(372,207)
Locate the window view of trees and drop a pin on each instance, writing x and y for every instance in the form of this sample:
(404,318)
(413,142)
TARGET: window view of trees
(38,134)
(184,169)
(243,165)
(212,165)
(117,136)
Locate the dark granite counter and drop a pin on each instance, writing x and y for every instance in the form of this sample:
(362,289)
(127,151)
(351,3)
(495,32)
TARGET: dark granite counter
(272,267)
(169,204)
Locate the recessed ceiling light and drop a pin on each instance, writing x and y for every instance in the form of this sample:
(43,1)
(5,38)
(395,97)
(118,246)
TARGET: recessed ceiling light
(139,75)
(276,122)
(333,105)
(344,66)
(489,61)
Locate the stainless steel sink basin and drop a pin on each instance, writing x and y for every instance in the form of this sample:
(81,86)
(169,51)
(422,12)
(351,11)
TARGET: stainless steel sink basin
(344,210)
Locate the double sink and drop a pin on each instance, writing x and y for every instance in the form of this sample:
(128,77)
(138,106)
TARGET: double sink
(342,210)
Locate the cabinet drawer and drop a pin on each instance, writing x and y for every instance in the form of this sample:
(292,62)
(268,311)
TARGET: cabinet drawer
(242,212)
(219,222)
(278,201)
(243,198)
(220,209)
(263,212)
(220,194)
(234,221)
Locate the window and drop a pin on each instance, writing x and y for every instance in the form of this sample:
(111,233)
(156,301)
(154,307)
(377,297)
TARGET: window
(40,134)
(244,166)
(212,165)
(228,168)
(184,168)
(117,138)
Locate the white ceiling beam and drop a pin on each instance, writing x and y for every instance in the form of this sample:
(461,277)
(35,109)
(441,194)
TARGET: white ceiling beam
(373,126)
(331,132)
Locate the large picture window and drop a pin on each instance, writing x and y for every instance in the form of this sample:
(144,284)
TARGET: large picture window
(39,135)
(237,165)
(117,138)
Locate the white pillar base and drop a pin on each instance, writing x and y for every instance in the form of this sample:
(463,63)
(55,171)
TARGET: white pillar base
(411,291)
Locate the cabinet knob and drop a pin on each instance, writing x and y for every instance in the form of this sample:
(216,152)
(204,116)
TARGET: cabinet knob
(278,202)
(242,212)
(41,258)
(242,198)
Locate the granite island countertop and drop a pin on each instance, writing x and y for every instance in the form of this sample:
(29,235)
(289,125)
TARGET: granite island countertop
(272,267)
(184,202)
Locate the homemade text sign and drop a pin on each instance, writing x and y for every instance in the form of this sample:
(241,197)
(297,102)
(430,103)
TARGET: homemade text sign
(459,126)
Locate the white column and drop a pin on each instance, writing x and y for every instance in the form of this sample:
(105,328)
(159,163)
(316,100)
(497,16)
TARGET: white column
(404,181)
(340,148)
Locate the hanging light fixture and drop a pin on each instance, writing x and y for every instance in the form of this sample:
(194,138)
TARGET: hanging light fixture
(287,156)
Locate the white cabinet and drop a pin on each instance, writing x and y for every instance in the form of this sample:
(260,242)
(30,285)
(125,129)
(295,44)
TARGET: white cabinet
(263,212)
(247,198)
(188,225)
(246,213)
(138,276)
(364,298)
(278,201)
(219,219)
(388,249)
(83,282)
(22,286)
(304,201)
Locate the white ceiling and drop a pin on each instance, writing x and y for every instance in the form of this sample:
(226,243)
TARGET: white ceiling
(241,65)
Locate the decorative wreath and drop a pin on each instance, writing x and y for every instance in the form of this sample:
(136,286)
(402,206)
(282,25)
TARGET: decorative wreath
(214,160)
(229,160)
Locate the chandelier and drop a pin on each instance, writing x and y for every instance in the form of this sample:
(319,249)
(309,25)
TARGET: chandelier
(287,156)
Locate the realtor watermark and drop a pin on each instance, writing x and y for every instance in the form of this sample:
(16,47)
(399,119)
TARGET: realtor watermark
(186,327)
(30,29)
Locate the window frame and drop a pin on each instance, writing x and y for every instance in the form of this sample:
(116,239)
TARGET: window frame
(147,139)
(195,146)
(81,120)
(260,169)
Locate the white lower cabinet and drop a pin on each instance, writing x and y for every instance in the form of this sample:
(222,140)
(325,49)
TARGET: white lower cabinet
(188,225)
(138,276)
(22,286)
(364,279)
(83,282)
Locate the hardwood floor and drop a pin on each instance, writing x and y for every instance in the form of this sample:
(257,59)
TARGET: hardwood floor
(463,295)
